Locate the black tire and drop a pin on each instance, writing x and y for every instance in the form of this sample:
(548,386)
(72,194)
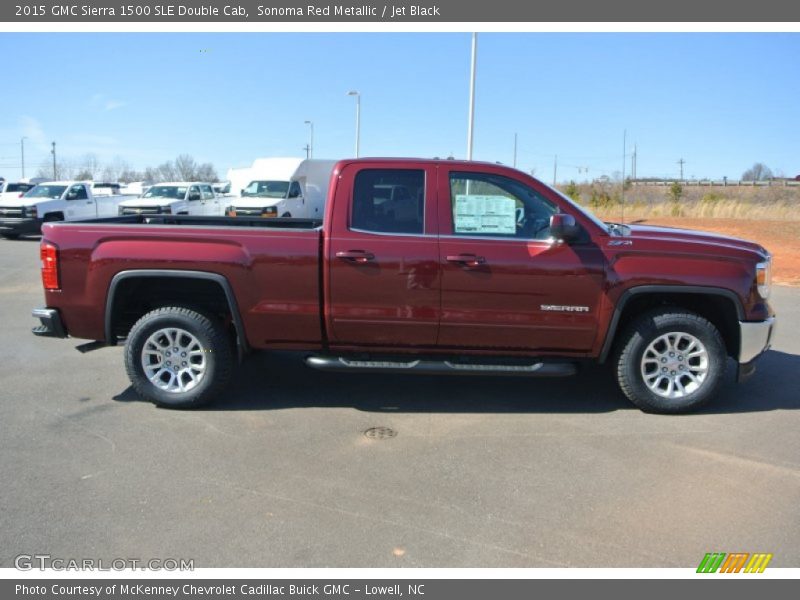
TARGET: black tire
(646,330)
(286,215)
(215,348)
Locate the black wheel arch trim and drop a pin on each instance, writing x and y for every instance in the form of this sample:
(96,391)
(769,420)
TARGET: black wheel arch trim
(666,289)
(111,339)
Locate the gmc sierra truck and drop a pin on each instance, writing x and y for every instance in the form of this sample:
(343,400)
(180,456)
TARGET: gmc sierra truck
(465,268)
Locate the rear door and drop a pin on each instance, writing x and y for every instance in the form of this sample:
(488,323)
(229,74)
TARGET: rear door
(210,202)
(506,285)
(382,258)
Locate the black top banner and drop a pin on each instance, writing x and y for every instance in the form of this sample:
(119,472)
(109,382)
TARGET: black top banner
(254,11)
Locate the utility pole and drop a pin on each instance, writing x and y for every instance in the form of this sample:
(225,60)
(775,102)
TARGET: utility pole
(622,195)
(471,122)
(555,168)
(310,146)
(515,151)
(22,154)
(307,148)
(681,162)
(633,163)
(53,152)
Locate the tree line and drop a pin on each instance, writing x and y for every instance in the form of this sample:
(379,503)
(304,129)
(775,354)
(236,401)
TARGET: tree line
(183,168)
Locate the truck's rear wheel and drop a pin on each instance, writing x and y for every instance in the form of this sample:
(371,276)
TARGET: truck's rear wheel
(178,358)
(671,362)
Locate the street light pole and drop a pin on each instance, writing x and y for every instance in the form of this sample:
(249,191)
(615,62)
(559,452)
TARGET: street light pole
(311,140)
(22,154)
(471,124)
(358,118)
(53,152)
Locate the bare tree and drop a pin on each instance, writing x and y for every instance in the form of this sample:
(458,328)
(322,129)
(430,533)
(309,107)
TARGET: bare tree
(758,172)
(207,172)
(89,167)
(186,167)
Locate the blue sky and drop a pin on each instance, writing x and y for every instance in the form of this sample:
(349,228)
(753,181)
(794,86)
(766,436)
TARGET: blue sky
(720,101)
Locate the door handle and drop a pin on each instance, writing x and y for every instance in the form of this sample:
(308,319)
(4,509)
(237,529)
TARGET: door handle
(468,260)
(356,256)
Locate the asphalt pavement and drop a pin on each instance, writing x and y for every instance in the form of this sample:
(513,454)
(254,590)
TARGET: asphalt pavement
(481,472)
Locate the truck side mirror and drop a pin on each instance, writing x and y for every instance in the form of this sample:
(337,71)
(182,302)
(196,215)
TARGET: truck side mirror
(563,227)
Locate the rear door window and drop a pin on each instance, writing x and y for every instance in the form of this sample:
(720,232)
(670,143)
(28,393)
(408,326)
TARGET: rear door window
(389,201)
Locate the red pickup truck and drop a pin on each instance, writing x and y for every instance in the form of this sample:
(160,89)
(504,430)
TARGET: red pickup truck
(431,266)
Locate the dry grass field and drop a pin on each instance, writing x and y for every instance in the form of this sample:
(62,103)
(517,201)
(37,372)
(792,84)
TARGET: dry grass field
(767,215)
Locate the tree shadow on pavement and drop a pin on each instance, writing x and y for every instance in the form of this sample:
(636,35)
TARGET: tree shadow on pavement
(274,381)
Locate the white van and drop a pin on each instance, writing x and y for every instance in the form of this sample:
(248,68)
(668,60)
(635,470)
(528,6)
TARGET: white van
(308,190)
(269,184)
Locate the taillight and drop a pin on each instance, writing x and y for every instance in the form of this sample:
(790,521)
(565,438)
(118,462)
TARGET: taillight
(49,255)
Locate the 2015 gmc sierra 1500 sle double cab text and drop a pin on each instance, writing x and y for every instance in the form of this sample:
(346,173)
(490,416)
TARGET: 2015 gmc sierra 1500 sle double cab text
(465,268)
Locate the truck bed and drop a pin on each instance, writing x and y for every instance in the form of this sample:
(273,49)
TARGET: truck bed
(271,265)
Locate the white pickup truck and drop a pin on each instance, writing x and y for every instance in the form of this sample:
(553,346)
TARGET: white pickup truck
(12,189)
(175,198)
(54,201)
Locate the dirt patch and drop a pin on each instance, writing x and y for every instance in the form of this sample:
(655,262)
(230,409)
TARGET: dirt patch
(781,238)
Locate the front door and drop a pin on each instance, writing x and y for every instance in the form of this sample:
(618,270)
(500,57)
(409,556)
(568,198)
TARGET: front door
(382,257)
(79,205)
(506,285)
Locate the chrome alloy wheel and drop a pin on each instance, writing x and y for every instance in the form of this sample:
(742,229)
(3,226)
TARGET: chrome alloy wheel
(675,365)
(174,360)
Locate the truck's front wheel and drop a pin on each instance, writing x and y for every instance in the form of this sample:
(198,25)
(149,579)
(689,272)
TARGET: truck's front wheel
(671,361)
(178,358)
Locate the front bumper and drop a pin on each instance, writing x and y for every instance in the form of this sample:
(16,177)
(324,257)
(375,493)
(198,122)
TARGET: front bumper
(20,226)
(755,338)
(50,324)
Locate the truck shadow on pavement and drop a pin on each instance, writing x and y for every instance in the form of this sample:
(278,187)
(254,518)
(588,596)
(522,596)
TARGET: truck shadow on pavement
(281,381)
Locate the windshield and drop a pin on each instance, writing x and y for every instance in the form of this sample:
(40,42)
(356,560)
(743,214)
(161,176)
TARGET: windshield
(166,191)
(19,187)
(587,213)
(46,191)
(266,189)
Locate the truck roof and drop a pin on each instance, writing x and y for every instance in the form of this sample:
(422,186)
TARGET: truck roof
(62,182)
(183,183)
(401,160)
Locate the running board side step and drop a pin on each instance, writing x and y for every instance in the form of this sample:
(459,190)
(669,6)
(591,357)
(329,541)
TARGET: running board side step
(441,367)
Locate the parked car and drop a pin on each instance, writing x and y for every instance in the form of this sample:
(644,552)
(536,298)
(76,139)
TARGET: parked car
(222,188)
(53,201)
(104,188)
(174,198)
(11,189)
(478,269)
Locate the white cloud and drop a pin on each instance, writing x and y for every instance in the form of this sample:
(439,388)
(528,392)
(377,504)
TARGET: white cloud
(32,129)
(103,102)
